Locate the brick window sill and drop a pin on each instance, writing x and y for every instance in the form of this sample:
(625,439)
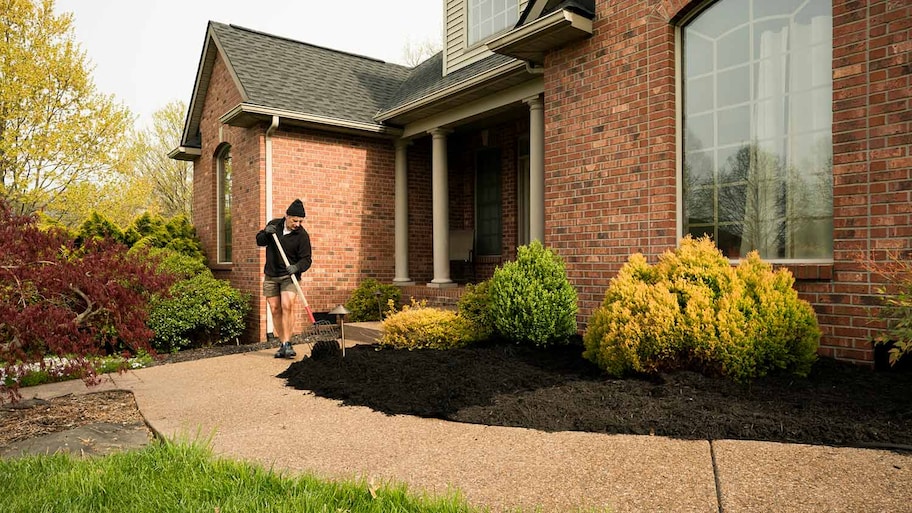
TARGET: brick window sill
(808,272)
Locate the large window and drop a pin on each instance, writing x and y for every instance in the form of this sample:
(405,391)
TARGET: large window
(757,118)
(488,219)
(488,17)
(224,205)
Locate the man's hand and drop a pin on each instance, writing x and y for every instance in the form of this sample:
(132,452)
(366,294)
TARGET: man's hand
(292,269)
(270,229)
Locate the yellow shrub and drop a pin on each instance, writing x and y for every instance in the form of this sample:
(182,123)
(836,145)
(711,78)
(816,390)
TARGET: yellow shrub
(694,310)
(420,327)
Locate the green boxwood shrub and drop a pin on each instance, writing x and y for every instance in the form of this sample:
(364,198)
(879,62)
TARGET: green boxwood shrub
(200,311)
(694,310)
(475,307)
(421,327)
(366,304)
(532,301)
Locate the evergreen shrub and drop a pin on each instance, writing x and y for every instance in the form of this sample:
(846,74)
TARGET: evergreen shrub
(365,304)
(532,301)
(146,231)
(420,327)
(177,264)
(694,310)
(475,308)
(200,311)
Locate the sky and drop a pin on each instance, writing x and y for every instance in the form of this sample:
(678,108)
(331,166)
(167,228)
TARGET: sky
(146,52)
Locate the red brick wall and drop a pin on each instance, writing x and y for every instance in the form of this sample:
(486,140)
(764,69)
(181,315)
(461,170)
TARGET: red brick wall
(610,186)
(872,164)
(346,183)
(610,162)
(420,221)
(246,148)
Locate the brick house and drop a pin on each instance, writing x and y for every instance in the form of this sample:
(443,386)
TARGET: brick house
(602,128)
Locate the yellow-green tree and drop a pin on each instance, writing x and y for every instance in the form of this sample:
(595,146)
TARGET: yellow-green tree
(169,181)
(56,130)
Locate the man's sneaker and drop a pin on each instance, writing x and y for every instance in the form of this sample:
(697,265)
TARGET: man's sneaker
(286,351)
(289,351)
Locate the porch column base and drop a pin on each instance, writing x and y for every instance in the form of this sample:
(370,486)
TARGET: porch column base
(403,283)
(442,284)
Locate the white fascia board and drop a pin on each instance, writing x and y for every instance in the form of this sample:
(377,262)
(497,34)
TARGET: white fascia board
(211,49)
(185,153)
(453,116)
(326,122)
(541,25)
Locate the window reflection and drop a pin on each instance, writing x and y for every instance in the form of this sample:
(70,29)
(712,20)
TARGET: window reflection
(757,156)
(224,206)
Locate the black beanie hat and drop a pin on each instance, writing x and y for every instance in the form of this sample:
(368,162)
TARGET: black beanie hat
(296,209)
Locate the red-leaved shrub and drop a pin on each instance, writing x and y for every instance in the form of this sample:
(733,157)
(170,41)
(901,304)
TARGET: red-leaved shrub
(57,298)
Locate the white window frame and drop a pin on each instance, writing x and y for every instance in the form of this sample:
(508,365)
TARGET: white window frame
(223,195)
(679,143)
(470,27)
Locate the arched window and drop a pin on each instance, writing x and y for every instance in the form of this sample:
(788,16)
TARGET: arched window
(224,205)
(757,116)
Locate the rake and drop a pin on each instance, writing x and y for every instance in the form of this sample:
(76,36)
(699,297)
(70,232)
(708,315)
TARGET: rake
(319,331)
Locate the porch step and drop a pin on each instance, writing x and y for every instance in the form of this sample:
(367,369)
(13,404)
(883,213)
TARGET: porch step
(447,297)
(362,332)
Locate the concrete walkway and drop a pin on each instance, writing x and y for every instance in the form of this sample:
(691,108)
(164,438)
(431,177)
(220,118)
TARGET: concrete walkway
(250,414)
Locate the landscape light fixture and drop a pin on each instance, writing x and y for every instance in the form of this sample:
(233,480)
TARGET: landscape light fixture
(340,312)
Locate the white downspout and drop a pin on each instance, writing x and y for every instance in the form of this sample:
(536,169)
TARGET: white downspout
(269,131)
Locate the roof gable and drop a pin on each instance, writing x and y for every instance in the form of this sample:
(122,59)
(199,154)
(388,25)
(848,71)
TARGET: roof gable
(290,76)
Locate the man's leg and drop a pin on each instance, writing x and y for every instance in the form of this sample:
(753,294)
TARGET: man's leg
(289,302)
(275,306)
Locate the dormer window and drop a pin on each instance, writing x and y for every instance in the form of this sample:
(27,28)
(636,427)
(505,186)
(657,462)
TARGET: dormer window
(489,17)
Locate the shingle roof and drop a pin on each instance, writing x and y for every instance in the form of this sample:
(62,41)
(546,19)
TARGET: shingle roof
(427,78)
(290,75)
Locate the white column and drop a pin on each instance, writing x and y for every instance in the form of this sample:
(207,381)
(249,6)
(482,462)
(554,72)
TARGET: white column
(440,196)
(536,168)
(402,255)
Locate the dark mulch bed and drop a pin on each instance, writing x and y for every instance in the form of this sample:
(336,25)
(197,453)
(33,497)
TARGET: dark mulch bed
(198,353)
(557,390)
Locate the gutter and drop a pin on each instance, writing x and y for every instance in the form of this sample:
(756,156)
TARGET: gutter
(185,153)
(269,132)
(325,123)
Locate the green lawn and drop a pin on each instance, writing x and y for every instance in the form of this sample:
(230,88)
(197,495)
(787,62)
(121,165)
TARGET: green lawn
(187,477)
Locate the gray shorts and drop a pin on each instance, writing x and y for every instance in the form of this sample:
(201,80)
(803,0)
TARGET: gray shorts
(274,286)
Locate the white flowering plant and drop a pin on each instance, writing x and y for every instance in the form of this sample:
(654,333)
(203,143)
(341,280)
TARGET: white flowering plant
(52,369)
